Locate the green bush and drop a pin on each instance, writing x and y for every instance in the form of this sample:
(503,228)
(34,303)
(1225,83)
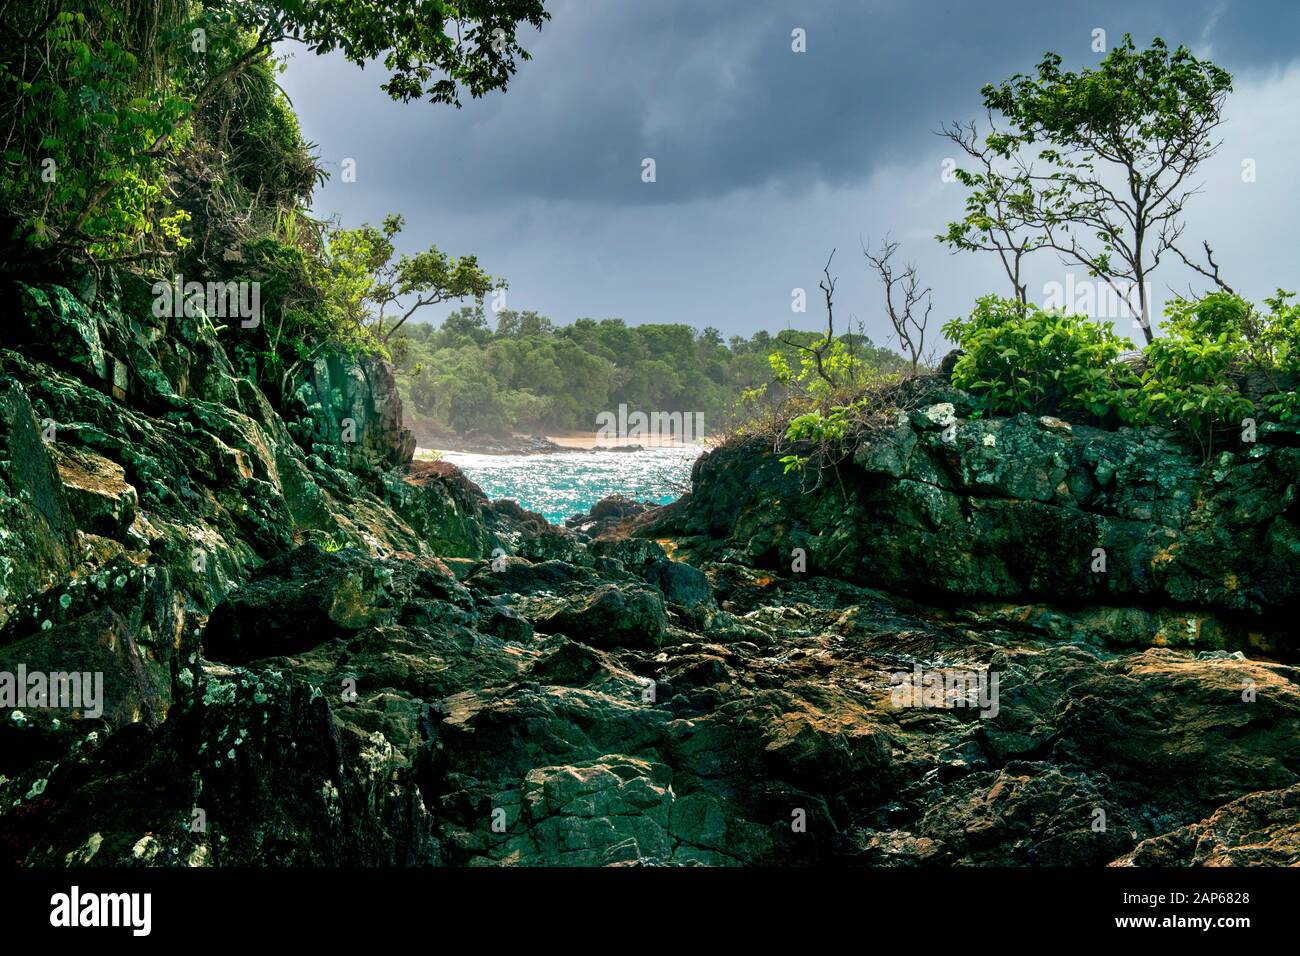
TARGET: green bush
(1209,344)
(1188,383)
(1019,358)
(1276,349)
(846,369)
(300,318)
(826,430)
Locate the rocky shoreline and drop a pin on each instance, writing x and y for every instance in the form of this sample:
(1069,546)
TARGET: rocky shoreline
(319,652)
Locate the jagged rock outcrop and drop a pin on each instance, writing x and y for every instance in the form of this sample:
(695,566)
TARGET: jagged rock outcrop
(308,596)
(38,536)
(606,515)
(310,659)
(455,519)
(349,412)
(1130,524)
(142,481)
(1261,829)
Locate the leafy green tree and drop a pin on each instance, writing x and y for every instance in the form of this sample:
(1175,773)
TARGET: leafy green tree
(87,95)
(467,322)
(510,322)
(477,403)
(369,280)
(618,343)
(335,299)
(1122,143)
(999,203)
(101,97)
(436,51)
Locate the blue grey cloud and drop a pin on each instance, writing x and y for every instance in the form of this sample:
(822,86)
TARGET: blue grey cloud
(765,158)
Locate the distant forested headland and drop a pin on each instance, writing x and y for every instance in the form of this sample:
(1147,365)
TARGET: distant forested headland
(516,370)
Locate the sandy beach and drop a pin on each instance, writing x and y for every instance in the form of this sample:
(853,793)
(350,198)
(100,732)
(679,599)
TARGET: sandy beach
(590,440)
(575,440)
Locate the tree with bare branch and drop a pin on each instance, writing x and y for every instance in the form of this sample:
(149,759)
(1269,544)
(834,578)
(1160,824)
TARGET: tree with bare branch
(999,206)
(907,305)
(1210,270)
(1121,144)
(821,350)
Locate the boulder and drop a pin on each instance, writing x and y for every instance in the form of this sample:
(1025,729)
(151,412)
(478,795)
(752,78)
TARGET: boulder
(96,490)
(38,533)
(1259,829)
(610,616)
(309,596)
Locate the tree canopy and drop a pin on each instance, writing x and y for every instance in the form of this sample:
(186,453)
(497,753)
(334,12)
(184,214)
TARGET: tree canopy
(515,371)
(105,100)
(1096,164)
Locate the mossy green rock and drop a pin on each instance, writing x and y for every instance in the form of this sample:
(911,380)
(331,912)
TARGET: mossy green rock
(1016,509)
(38,534)
(295,676)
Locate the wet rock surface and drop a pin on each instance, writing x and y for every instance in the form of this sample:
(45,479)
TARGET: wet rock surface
(606,515)
(313,660)
(1024,509)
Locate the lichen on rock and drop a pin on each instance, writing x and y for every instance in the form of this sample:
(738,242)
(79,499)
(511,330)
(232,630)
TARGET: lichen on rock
(343,657)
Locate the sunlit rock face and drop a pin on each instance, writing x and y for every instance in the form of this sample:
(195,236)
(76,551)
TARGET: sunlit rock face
(351,414)
(1024,509)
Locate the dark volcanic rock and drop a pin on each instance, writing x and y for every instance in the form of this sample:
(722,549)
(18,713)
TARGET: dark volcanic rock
(350,413)
(309,596)
(1021,509)
(38,536)
(520,576)
(679,583)
(610,616)
(293,675)
(448,511)
(607,514)
(257,772)
(96,490)
(482,443)
(1260,829)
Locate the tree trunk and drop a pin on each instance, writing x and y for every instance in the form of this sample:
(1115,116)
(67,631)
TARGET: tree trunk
(1146,308)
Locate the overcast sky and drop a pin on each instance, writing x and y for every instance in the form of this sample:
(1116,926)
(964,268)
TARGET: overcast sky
(766,159)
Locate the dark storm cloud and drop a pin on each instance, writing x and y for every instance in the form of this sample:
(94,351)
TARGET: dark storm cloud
(766,159)
(713,92)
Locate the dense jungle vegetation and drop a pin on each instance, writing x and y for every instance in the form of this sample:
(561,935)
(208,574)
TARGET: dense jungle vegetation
(525,374)
(148,140)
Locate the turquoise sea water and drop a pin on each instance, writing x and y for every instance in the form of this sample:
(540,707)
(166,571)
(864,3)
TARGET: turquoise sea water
(567,483)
